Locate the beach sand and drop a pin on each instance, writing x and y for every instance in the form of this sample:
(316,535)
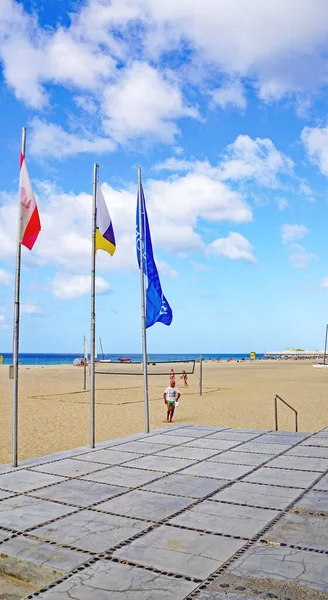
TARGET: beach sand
(54,409)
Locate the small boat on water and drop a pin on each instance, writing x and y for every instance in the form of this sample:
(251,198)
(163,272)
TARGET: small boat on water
(124,360)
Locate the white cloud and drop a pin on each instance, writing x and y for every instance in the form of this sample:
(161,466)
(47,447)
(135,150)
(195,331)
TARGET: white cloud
(230,94)
(67,287)
(234,247)
(31,309)
(325,283)
(293,233)
(315,140)
(299,258)
(6,278)
(166,270)
(282,203)
(48,139)
(200,267)
(144,102)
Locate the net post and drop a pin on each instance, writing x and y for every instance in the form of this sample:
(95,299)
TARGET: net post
(200,375)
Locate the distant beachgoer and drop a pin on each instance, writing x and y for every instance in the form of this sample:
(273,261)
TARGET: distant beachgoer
(171,396)
(184,376)
(172,376)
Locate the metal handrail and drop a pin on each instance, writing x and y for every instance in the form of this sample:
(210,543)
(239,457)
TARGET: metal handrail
(276,398)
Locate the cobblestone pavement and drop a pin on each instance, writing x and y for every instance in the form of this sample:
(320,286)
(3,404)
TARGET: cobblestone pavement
(184,513)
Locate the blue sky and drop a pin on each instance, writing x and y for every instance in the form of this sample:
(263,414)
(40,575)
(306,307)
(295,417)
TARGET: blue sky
(223,104)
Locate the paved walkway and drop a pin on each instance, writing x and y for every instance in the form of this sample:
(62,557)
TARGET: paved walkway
(186,512)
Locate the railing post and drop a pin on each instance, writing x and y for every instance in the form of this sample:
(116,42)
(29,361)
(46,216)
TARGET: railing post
(276,412)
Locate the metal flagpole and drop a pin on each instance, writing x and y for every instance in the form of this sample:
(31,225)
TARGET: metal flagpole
(16,327)
(85,355)
(200,375)
(93,309)
(324,358)
(143,305)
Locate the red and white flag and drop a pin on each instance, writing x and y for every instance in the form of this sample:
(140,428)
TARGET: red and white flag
(30,220)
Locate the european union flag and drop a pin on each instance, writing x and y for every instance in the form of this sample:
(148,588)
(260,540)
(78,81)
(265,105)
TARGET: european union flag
(157,307)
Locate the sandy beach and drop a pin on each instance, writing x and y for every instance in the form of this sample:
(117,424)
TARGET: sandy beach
(54,409)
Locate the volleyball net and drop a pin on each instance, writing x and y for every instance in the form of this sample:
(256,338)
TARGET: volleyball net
(153,368)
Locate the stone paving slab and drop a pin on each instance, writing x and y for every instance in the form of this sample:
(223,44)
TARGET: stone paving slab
(217,470)
(308,451)
(254,494)
(186,485)
(301,463)
(188,432)
(241,458)
(21,512)
(4,494)
(280,437)
(180,551)
(303,530)
(23,480)
(90,530)
(124,476)
(79,493)
(145,447)
(187,452)
(109,456)
(285,477)
(322,484)
(314,500)
(145,505)
(212,444)
(165,438)
(69,467)
(37,562)
(4,535)
(263,448)
(230,519)
(230,434)
(286,564)
(107,580)
(313,441)
(223,596)
(158,463)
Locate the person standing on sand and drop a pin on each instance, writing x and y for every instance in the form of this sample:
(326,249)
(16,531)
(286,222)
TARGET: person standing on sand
(172,376)
(184,376)
(171,396)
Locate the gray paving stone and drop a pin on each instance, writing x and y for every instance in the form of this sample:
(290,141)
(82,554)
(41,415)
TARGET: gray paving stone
(302,530)
(321,442)
(222,470)
(106,580)
(124,476)
(286,564)
(263,448)
(285,477)
(69,467)
(278,440)
(189,453)
(41,460)
(255,431)
(4,535)
(302,463)
(144,447)
(23,480)
(186,485)
(145,505)
(225,596)
(180,551)
(231,434)
(109,456)
(80,493)
(308,451)
(21,556)
(172,440)
(265,496)
(241,458)
(188,432)
(90,530)
(244,521)
(212,444)
(206,428)
(4,495)
(20,512)
(158,463)
(322,484)
(314,500)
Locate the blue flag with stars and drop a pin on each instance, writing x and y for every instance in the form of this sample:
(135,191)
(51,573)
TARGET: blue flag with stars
(157,307)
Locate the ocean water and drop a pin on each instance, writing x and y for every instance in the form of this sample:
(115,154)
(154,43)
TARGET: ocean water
(67,359)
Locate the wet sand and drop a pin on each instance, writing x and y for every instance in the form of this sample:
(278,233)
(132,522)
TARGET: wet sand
(54,409)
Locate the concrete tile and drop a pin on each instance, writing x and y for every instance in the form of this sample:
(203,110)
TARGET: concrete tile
(144,447)
(278,440)
(180,551)
(106,580)
(80,493)
(166,438)
(212,595)
(4,495)
(69,467)
(4,535)
(322,484)
(302,530)
(286,564)
(222,470)
(90,530)
(241,458)
(188,453)
(145,505)
(309,451)
(158,463)
(109,456)
(188,432)
(263,448)
(254,431)
(33,560)
(23,480)
(302,463)
(41,460)
(285,477)
(231,434)
(320,442)
(266,496)
(212,444)
(20,512)
(206,428)
(186,485)
(124,476)
(230,519)
(314,500)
